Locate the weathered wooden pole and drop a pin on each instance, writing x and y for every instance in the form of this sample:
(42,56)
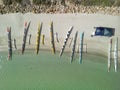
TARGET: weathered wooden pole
(25,36)
(66,39)
(38,37)
(52,37)
(109,54)
(116,54)
(9,44)
(81,46)
(74,45)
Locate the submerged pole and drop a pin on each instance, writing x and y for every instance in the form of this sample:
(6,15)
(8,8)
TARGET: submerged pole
(81,46)
(66,39)
(73,49)
(9,44)
(109,54)
(116,54)
(25,36)
(38,37)
(52,37)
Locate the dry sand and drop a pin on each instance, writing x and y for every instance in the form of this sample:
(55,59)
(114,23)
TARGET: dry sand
(62,22)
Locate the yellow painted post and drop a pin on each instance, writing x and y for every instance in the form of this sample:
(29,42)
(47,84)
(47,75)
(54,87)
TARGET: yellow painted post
(38,37)
(43,38)
(52,37)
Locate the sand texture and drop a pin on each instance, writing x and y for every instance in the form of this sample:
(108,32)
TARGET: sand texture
(61,24)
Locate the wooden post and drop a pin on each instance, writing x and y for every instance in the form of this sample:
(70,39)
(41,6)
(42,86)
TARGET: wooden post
(109,54)
(9,44)
(74,45)
(38,37)
(25,36)
(81,46)
(52,38)
(116,54)
(66,39)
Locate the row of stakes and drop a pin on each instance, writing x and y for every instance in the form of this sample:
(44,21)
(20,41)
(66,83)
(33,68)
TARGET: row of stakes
(64,44)
(38,41)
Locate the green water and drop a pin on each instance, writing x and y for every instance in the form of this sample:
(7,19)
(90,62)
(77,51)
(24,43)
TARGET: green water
(49,72)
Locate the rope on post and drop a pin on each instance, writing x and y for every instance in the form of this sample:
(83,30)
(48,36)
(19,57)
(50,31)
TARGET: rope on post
(38,37)
(9,43)
(25,36)
(52,37)
(74,45)
(66,39)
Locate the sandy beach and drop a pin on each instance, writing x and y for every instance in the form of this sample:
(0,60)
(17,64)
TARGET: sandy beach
(61,23)
(47,71)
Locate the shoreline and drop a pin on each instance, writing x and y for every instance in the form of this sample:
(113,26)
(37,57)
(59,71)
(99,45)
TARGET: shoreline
(61,24)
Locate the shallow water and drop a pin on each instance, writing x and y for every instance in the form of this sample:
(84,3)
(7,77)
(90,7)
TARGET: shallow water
(46,71)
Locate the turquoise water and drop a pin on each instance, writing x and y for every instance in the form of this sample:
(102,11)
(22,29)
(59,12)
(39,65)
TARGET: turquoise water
(46,71)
